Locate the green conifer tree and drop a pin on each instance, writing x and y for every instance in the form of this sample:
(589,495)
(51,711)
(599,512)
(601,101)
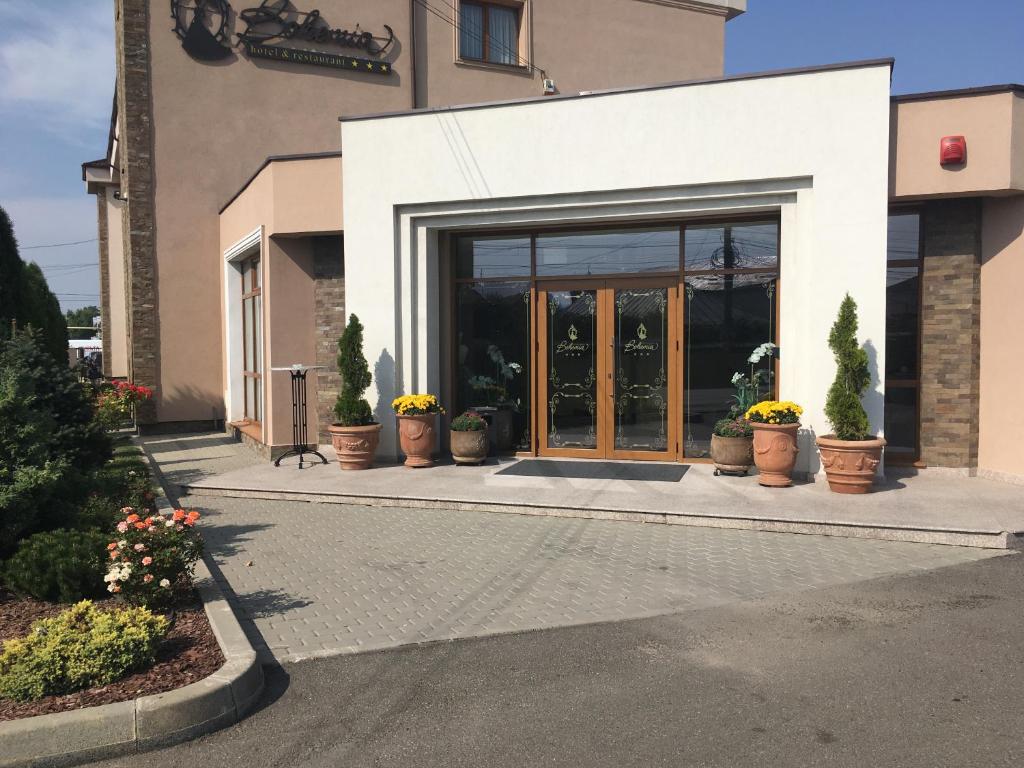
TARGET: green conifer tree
(843,406)
(352,409)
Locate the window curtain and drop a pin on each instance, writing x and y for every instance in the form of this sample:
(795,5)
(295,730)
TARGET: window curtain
(503,30)
(471,31)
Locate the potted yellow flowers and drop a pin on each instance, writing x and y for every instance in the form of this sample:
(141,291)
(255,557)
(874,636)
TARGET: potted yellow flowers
(417,418)
(775,424)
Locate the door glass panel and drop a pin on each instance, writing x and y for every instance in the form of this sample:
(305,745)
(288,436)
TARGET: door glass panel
(572,369)
(901,419)
(726,317)
(904,237)
(641,369)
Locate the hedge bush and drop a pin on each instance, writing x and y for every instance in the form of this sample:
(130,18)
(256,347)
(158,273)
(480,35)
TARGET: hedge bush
(81,648)
(59,566)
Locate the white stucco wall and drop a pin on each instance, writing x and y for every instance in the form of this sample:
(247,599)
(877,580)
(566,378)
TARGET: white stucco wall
(813,146)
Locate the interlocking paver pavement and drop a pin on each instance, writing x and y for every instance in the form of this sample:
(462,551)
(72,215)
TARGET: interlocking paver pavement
(328,579)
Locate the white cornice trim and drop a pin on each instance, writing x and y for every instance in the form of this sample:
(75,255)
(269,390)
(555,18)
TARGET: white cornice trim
(727,8)
(244,246)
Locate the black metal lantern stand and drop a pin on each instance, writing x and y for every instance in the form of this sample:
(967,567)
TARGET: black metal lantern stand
(300,446)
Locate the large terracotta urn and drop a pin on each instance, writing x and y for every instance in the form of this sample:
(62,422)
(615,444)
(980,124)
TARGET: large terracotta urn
(775,451)
(355,446)
(416,435)
(732,455)
(850,464)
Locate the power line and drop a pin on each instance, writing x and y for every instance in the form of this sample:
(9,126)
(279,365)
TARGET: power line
(57,245)
(469,32)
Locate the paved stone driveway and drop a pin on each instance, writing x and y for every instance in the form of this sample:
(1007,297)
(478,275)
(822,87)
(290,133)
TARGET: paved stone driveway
(327,579)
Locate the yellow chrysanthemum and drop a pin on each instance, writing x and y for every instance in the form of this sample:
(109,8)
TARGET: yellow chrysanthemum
(413,405)
(774,412)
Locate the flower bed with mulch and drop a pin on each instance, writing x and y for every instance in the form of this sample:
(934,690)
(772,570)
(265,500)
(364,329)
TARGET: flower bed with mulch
(188,654)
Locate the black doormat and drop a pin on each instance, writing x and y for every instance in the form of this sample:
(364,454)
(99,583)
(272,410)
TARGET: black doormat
(597,470)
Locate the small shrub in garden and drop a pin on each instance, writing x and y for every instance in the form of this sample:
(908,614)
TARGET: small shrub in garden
(843,406)
(470,421)
(733,428)
(81,648)
(153,558)
(59,566)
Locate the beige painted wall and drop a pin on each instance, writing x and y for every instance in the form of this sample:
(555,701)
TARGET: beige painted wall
(582,45)
(213,124)
(989,121)
(1002,322)
(116,322)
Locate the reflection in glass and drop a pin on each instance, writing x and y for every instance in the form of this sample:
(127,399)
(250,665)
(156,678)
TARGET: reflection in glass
(901,419)
(904,236)
(572,369)
(608,253)
(641,369)
(901,322)
(732,246)
(471,31)
(493,331)
(492,257)
(726,317)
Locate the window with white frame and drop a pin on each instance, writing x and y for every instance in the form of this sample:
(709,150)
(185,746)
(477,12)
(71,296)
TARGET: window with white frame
(252,338)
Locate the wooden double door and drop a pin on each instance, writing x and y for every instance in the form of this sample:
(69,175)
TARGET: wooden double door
(608,383)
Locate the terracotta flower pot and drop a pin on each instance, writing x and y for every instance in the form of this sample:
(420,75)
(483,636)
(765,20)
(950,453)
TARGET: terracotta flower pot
(416,435)
(732,454)
(775,453)
(850,464)
(469,447)
(355,446)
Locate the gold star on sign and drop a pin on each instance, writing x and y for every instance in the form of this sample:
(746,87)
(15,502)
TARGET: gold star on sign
(354,63)
(369,65)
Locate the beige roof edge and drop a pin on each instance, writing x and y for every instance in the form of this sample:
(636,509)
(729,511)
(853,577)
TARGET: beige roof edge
(956,93)
(728,8)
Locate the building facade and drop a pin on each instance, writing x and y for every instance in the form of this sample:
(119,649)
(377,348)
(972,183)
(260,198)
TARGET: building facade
(587,252)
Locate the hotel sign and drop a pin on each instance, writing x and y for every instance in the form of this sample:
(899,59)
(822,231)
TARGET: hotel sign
(202,26)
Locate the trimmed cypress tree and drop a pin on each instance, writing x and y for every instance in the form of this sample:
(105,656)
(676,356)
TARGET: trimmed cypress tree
(351,408)
(843,406)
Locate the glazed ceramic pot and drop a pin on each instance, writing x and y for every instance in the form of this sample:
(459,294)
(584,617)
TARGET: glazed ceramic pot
(469,447)
(355,446)
(417,437)
(850,464)
(775,451)
(732,455)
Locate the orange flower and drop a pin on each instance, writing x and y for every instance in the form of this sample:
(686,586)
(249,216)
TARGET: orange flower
(192,516)
(113,555)
(132,518)
(112,545)
(140,526)
(179,514)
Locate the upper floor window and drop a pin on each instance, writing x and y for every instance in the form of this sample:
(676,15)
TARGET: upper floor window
(489,32)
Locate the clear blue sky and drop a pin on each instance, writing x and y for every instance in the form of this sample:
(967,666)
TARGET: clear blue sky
(57,77)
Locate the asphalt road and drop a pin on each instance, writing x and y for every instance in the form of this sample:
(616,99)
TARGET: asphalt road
(922,670)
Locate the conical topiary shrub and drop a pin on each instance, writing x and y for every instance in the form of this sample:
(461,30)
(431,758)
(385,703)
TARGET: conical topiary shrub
(351,408)
(843,407)
(851,454)
(355,434)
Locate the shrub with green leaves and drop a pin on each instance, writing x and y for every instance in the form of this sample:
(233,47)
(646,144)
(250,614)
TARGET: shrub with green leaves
(351,408)
(81,648)
(59,566)
(470,421)
(843,406)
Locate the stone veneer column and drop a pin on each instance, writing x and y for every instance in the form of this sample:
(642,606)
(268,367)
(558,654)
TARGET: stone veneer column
(104,239)
(136,148)
(329,312)
(951,333)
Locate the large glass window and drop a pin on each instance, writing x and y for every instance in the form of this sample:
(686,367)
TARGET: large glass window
(732,246)
(489,32)
(252,338)
(628,251)
(479,257)
(493,358)
(726,318)
(902,335)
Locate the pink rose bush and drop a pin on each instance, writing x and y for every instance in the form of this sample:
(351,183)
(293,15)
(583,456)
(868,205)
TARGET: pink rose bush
(153,560)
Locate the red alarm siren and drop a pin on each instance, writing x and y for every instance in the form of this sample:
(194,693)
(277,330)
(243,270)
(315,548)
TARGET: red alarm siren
(952,150)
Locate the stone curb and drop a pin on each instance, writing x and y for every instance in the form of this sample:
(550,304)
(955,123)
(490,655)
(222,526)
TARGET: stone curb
(93,733)
(982,539)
